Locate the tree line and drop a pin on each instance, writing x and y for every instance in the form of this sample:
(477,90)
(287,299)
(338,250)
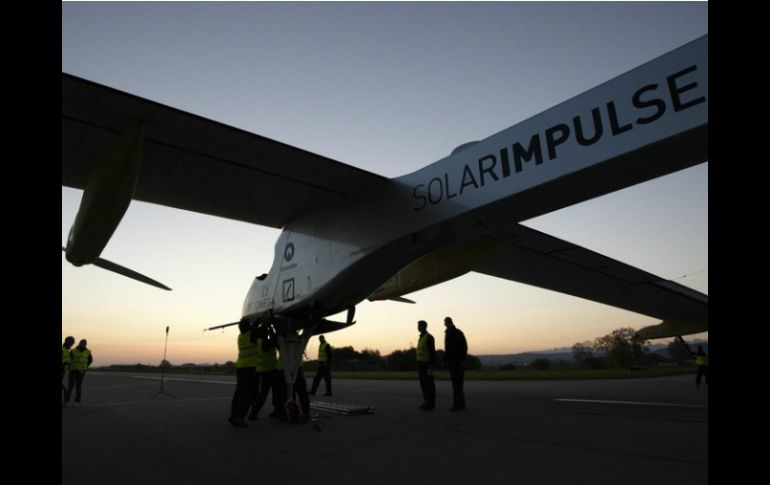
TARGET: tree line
(349,359)
(621,348)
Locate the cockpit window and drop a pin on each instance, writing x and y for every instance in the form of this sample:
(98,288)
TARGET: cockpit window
(262,276)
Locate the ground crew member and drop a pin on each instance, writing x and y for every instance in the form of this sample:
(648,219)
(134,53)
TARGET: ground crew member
(455,351)
(80,358)
(324,369)
(245,374)
(702,361)
(66,358)
(426,357)
(266,373)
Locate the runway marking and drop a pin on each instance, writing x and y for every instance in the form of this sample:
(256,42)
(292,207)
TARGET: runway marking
(185,380)
(129,403)
(110,388)
(634,403)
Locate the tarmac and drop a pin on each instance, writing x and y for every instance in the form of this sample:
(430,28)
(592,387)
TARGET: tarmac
(633,431)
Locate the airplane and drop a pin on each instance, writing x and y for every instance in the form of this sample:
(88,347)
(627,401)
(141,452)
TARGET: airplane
(350,235)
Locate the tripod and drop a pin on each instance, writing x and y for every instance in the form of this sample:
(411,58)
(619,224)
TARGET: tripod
(163,371)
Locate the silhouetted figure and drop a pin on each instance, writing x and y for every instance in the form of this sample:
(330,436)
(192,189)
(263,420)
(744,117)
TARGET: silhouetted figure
(80,359)
(245,374)
(702,363)
(267,376)
(426,358)
(324,369)
(455,351)
(66,357)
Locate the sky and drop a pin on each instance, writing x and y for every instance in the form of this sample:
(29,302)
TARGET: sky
(388,88)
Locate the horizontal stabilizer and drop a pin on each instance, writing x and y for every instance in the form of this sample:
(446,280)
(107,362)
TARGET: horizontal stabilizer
(401,299)
(221,326)
(122,270)
(327,326)
(116,268)
(673,328)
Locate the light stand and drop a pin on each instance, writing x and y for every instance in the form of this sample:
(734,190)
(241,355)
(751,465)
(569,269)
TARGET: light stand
(163,371)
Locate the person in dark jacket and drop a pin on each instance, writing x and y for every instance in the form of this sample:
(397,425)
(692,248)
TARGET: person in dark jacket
(426,358)
(455,351)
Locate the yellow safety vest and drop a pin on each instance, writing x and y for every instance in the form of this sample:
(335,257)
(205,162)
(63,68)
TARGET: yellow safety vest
(323,352)
(247,352)
(701,360)
(79,359)
(265,358)
(65,355)
(423,355)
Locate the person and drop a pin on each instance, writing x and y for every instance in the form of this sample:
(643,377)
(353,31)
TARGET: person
(66,358)
(245,373)
(702,361)
(324,370)
(426,357)
(455,351)
(266,373)
(80,359)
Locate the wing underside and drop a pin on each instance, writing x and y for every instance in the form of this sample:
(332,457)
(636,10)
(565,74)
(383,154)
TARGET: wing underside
(200,165)
(534,258)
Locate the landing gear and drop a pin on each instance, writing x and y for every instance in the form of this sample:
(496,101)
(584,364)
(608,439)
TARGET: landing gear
(291,347)
(293,335)
(292,342)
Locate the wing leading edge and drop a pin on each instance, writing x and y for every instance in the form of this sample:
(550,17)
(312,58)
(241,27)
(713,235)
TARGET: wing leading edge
(534,258)
(200,165)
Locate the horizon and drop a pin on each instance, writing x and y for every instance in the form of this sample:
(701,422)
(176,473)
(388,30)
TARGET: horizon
(383,355)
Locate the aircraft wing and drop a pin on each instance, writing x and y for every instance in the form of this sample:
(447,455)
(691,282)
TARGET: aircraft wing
(535,258)
(201,165)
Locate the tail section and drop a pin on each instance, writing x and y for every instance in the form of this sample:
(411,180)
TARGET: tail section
(648,122)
